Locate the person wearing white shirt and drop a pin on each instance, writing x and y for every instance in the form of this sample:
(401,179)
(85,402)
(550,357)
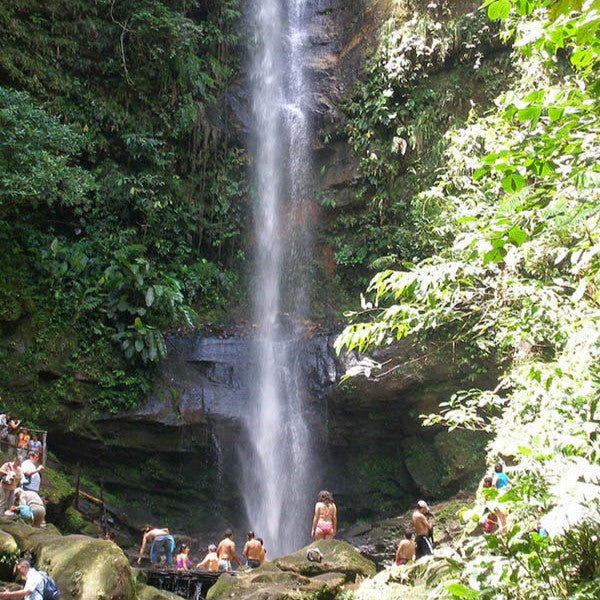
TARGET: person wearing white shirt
(34,583)
(31,469)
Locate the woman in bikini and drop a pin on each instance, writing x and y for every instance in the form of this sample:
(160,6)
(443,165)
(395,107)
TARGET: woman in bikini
(325,519)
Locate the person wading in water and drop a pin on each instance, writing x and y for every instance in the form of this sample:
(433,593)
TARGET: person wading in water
(325,520)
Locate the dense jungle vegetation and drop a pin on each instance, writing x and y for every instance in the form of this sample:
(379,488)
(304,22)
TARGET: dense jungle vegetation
(514,276)
(121,191)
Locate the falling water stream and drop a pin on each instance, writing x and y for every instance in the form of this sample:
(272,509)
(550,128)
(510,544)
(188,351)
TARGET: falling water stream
(278,469)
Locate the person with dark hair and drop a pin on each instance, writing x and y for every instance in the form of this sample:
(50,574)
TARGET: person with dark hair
(406,549)
(494,520)
(324,523)
(252,551)
(109,536)
(501,478)
(23,442)
(34,444)
(263,552)
(423,529)
(163,543)
(226,552)
(34,583)
(183,558)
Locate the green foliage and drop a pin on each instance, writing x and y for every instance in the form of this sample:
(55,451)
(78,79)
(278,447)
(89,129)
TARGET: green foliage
(120,198)
(434,63)
(516,279)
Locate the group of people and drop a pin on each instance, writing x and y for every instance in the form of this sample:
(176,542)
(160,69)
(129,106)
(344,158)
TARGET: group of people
(422,545)
(222,557)
(20,478)
(422,518)
(218,558)
(17,440)
(494,518)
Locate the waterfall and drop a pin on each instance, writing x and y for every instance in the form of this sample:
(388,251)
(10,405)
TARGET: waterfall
(277,465)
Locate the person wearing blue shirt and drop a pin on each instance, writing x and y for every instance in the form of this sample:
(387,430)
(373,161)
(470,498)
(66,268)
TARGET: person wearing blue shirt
(500,477)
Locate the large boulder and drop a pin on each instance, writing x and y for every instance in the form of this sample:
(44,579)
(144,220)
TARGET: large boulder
(341,565)
(147,592)
(84,568)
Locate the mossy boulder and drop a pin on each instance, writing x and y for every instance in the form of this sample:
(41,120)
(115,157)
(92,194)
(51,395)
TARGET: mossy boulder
(84,568)
(293,574)
(338,556)
(258,584)
(9,552)
(147,592)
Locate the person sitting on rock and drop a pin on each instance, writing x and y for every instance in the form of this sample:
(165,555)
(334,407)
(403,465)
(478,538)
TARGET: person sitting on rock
(406,549)
(325,518)
(252,551)
(226,552)
(35,504)
(423,529)
(211,560)
(11,478)
(183,558)
(34,583)
(163,543)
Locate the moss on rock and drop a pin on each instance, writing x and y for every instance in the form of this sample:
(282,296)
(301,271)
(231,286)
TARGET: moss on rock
(9,551)
(84,568)
(147,592)
(293,576)
(338,556)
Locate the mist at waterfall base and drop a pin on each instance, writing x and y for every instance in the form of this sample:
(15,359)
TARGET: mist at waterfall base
(277,461)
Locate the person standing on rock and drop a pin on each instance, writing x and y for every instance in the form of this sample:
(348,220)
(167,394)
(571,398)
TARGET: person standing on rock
(34,583)
(226,552)
(162,543)
(423,529)
(11,479)
(325,518)
(31,470)
(263,551)
(252,551)
(406,549)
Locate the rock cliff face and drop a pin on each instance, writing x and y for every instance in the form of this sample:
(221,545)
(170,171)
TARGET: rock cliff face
(176,458)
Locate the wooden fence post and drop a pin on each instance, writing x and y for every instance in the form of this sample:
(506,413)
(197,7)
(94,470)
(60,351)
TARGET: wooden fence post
(44,447)
(77,485)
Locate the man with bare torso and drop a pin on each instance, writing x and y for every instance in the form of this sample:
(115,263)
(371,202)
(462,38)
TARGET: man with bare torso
(162,543)
(406,549)
(226,552)
(423,528)
(211,560)
(252,551)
